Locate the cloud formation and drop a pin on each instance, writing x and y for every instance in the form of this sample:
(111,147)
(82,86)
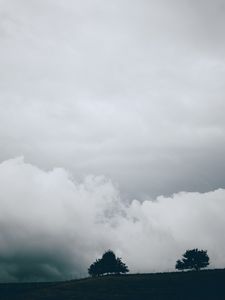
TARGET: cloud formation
(53,227)
(130,89)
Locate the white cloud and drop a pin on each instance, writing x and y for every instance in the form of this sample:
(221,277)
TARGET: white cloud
(53,226)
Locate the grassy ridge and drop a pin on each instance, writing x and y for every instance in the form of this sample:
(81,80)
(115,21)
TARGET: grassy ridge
(185,285)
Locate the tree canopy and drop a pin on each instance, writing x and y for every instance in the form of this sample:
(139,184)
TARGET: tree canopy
(193,259)
(108,264)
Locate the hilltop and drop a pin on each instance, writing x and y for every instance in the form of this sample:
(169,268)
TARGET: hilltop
(207,284)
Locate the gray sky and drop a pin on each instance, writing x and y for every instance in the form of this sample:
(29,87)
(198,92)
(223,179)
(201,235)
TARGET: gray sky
(130,90)
(133,90)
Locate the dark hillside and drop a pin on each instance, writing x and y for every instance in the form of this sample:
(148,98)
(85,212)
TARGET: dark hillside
(185,285)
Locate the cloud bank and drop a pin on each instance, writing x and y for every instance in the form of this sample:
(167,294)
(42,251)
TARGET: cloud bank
(130,89)
(53,227)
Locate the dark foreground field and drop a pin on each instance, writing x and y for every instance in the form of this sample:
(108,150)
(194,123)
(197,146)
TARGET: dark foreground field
(184,285)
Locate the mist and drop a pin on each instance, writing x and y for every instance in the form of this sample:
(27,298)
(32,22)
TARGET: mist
(53,227)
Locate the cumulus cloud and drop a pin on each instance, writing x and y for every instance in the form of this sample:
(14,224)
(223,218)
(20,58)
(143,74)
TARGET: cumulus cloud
(53,227)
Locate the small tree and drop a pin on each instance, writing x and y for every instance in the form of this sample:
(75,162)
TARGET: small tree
(108,264)
(193,259)
(121,267)
(95,269)
(179,265)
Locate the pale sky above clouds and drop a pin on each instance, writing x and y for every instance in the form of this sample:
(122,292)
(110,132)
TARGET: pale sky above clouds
(129,90)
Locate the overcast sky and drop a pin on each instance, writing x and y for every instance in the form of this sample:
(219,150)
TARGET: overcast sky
(128,90)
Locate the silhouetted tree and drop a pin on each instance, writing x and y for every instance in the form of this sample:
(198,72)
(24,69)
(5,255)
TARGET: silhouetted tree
(179,265)
(108,264)
(95,269)
(193,259)
(121,267)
